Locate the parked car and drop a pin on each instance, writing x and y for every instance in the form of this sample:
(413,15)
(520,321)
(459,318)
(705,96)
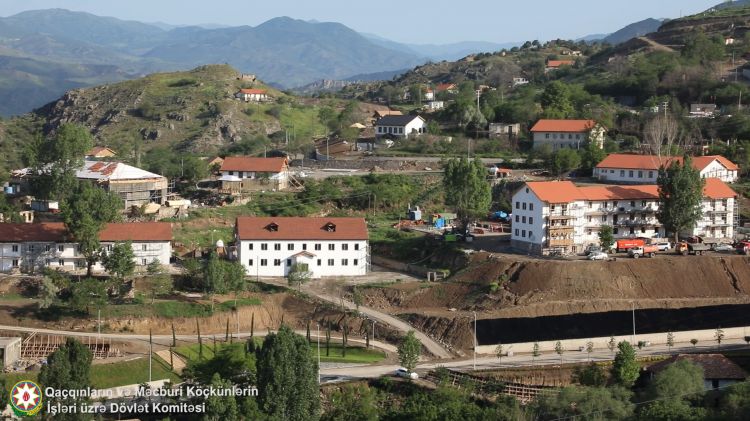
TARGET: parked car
(723,247)
(663,245)
(402,372)
(743,247)
(598,255)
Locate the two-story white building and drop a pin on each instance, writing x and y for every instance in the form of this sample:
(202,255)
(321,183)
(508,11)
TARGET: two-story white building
(403,126)
(567,133)
(270,246)
(246,173)
(29,247)
(252,95)
(644,169)
(560,216)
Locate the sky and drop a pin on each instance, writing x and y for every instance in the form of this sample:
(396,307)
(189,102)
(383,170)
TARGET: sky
(409,21)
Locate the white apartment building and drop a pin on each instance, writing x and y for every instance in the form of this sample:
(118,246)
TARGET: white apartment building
(270,246)
(567,133)
(402,126)
(644,169)
(246,173)
(27,247)
(560,216)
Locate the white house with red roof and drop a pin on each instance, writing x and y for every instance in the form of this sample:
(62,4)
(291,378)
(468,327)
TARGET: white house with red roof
(644,169)
(252,95)
(48,245)
(556,64)
(245,173)
(271,246)
(567,133)
(560,216)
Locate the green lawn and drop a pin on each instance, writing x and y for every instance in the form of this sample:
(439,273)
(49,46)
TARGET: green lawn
(172,309)
(111,375)
(353,354)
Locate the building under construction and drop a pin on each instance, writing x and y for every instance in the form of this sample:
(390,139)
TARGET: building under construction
(135,186)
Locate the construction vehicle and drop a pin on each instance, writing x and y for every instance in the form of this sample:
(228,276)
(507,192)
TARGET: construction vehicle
(627,244)
(743,247)
(684,248)
(646,250)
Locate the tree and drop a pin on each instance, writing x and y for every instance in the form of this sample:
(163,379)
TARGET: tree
(559,350)
(535,353)
(409,351)
(56,159)
(565,160)
(499,351)
(606,237)
(591,156)
(719,336)
(160,285)
(556,101)
(694,342)
(47,293)
(357,297)
(660,134)
(298,275)
(680,196)
(625,368)
(591,375)
(85,213)
(328,339)
(670,341)
(234,278)
(612,344)
(670,392)
(353,403)
(586,403)
(287,377)
(86,294)
(466,189)
(155,268)
(213,275)
(120,261)
(221,407)
(67,369)
(735,404)
(589,348)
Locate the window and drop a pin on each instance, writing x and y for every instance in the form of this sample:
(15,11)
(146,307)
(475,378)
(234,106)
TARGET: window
(523,219)
(643,203)
(15,248)
(517,232)
(604,218)
(48,262)
(264,246)
(277,262)
(640,174)
(591,205)
(650,174)
(632,230)
(531,220)
(632,203)
(277,246)
(231,172)
(518,205)
(15,263)
(317,247)
(143,262)
(263,262)
(356,246)
(319,262)
(615,231)
(518,218)
(304,246)
(250,246)
(330,262)
(523,233)
(570,136)
(643,230)
(290,246)
(531,206)
(47,247)
(589,219)
(622,173)
(630,174)
(331,247)
(578,136)
(345,247)
(289,262)
(31,247)
(344,262)
(144,247)
(250,262)
(552,208)
(546,135)
(524,205)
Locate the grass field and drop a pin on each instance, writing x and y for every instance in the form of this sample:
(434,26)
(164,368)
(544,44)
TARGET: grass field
(104,376)
(356,355)
(172,309)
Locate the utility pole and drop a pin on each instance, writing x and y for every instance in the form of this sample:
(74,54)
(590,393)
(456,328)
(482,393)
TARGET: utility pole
(633,339)
(99,323)
(475,341)
(150,354)
(318,335)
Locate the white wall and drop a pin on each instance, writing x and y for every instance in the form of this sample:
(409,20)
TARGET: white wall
(356,250)
(527,207)
(417,125)
(716,170)
(626,175)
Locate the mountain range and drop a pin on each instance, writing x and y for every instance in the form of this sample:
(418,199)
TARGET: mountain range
(44,53)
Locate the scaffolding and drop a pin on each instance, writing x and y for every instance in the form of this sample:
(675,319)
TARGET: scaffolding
(38,347)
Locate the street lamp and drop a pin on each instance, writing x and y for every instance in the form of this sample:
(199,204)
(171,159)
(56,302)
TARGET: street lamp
(475,340)
(633,304)
(318,335)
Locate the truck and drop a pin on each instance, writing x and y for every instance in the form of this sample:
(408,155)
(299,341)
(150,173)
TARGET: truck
(684,248)
(646,250)
(743,247)
(625,245)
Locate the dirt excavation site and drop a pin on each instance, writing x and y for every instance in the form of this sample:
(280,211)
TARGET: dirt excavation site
(515,298)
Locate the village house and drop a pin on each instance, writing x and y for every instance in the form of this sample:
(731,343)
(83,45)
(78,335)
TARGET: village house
(29,247)
(450,88)
(378,114)
(718,370)
(520,81)
(252,95)
(98,152)
(560,216)
(244,173)
(434,105)
(272,246)
(401,126)
(553,65)
(567,133)
(702,110)
(644,169)
(505,129)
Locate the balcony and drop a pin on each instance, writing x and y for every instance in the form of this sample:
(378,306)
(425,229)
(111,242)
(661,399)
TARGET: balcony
(561,216)
(599,212)
(561,242)
(718,212)
(637,223)
(561,228)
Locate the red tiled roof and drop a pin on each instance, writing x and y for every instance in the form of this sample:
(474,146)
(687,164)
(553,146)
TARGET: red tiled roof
(253,91)
(55,232)
(620,192)
(555,191)
(653,162)
(445,87)
(96,150)
(298,228)
(715,366)
(717,189)
(247,163)
(565,126)
(558,63)
(137,231)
